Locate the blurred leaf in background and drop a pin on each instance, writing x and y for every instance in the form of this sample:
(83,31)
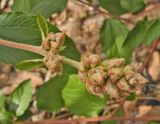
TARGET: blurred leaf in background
(43,7)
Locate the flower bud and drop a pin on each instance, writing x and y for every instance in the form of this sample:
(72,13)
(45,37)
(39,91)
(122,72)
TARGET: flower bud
(96,90)
(111,90)
(115,74)
(129,74)
(85,60)
(129,68)
(123,85)
(113,63)
(97,75)
(94,60)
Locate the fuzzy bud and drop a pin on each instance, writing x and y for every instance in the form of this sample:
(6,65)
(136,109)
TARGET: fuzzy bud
(97,75)
(113,63)
(111,90)
(109,77)
(115,74)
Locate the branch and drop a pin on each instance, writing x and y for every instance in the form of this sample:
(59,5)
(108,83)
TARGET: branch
(102,11)
(154,46)
(119,106)
(93,119)
(23,46)
(35,49)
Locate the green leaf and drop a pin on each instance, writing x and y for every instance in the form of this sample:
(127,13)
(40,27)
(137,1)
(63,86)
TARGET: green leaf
(131,96)
(43,7)
(145,32)
(113,6)
(111,29)
(47,7)
(5,116)
(51,92)
(28,114)
(29,64)
(79,100)
(42,26)
(112,35)
(22,5)
(119,7)
(122,51)
(21,97)
(133,6)
(22,28)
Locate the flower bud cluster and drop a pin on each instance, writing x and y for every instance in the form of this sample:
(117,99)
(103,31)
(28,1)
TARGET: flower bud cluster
(53,43)
(110,77)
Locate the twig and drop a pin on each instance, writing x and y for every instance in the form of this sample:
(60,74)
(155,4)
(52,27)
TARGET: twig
(102,11)
(154,46)
(93,119)
(116,109)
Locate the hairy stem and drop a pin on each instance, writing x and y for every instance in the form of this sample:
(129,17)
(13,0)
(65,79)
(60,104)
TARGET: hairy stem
(154,46)
(35,49)
(23,46)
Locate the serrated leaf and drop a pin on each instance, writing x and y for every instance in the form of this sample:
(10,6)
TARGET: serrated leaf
(43,7)
(42,26)
(29,64)
(145,32)
(22,5)
(111,29)
(112,35)
(79,101)
(51,91)
(22,28)
(133,6)
(21,97)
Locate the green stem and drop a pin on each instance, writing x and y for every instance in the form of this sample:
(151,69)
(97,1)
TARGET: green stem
(71,62)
